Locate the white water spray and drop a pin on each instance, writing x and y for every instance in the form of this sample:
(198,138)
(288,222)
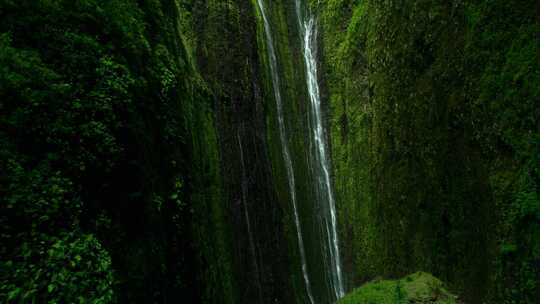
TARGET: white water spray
(308,30)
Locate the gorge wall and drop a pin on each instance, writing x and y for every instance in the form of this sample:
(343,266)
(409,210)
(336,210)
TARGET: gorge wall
(435,141)
(142,149)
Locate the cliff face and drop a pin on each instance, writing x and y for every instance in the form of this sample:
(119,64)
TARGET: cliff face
(230,44)
(142,154)
(144,135)
(434,132)
(254,265)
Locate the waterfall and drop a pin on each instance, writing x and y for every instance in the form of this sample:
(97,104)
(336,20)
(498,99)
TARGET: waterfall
(284,144)
(320,158)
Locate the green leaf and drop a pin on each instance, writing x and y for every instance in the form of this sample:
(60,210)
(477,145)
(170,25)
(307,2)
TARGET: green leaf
(14,293)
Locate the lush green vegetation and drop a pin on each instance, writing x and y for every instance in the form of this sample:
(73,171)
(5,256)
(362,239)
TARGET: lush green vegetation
(137,135)
(419,287)
(102,119)
(435,139)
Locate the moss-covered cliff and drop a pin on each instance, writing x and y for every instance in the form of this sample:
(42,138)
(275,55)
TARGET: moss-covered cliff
(141,158)
(435,140)
(145,132)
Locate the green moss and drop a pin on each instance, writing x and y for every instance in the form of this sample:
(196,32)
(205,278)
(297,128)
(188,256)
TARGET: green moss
(419,287)
(415,88)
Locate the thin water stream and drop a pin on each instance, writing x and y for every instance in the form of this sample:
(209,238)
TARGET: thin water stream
(247,217)
(320,157)
(284,144)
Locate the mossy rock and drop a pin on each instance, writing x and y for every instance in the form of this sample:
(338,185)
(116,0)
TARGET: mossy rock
(419,287)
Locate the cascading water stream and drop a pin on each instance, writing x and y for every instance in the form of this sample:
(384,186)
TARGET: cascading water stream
(284,144)
(321,167)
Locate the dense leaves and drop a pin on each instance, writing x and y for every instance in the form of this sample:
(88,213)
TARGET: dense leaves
(110,182)
(95,101)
